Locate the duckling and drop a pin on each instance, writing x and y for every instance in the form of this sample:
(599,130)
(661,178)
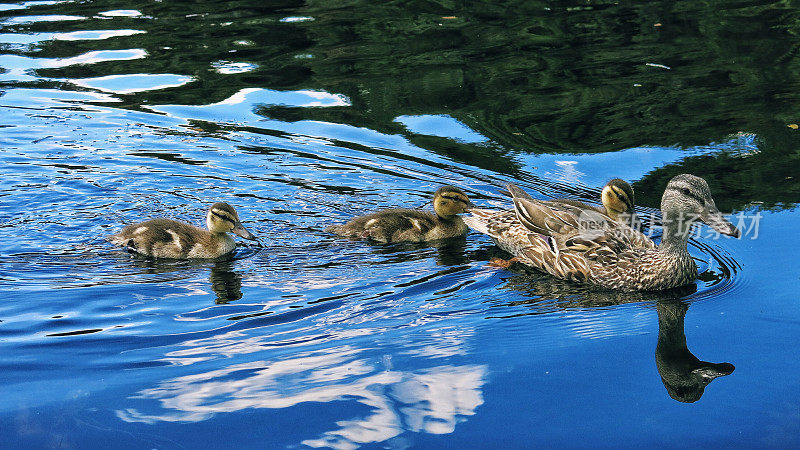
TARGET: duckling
(617,198)
(412,225)
(165,238)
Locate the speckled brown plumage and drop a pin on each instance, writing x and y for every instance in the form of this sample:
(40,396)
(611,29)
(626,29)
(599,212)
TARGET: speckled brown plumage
(166,238)
(581,244)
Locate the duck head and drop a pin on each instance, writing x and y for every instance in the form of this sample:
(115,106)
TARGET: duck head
(449,201)
(222,218)
(687,199)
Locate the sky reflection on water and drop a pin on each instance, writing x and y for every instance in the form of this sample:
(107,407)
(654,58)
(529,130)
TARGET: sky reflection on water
(304,115)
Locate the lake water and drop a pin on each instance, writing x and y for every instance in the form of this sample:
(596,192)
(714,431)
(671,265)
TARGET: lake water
(304,114)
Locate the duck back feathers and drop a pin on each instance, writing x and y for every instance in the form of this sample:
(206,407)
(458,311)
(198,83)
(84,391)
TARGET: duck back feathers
(401,225)
(165,238)
(412,225)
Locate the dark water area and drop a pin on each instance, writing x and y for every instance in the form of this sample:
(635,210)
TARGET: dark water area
(305,114)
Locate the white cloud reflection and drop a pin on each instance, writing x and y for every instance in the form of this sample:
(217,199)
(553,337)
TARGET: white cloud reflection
(240,106)
(20,20)
(24,62)
(130,83)
(295,19)
(121,13)
(26,5)
(431,400)
(19,68)
(567,172)
(230,67)
(93,35)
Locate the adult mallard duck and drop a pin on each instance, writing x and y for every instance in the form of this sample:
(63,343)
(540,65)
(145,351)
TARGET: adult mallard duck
(165,238)
(580,244)
(412,225)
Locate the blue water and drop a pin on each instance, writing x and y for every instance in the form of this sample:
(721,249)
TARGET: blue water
(317,341)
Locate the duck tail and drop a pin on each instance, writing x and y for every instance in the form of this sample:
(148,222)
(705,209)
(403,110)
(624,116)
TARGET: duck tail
(478,220)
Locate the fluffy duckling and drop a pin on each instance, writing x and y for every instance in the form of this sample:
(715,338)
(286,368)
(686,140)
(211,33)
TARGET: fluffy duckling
(412,225)
(165,238)
(617,199)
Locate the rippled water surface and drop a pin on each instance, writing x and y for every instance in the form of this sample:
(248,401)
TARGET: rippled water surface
(304,114)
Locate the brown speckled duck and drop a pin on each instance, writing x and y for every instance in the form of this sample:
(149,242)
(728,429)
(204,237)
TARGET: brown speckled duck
(412,225)
(165,238)
(581,244)
(617,198)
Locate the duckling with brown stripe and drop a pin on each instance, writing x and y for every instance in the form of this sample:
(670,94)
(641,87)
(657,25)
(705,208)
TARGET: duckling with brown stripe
(165,238)
(412,225)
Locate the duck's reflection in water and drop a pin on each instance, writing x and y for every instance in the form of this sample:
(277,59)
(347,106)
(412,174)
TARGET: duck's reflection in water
(225,283)
(547,294)
(447,252)
(684,376)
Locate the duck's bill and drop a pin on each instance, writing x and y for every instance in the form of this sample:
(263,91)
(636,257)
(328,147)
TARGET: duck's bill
(467,206)
(241,231)
(713,218)
(712,370)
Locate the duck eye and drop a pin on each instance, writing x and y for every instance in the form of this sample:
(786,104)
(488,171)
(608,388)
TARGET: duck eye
(686,191)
